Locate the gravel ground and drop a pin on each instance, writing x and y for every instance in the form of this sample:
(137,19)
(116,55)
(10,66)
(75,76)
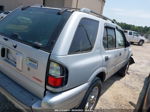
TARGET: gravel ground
(118,94)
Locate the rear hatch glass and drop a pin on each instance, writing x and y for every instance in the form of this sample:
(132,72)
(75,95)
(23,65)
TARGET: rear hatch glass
(35,26)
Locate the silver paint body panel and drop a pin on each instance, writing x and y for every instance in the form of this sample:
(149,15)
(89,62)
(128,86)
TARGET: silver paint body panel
(30,71)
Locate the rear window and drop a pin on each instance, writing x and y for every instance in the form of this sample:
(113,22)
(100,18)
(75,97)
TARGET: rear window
(40,26)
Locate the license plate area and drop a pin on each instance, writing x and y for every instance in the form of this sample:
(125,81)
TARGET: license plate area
(11,57)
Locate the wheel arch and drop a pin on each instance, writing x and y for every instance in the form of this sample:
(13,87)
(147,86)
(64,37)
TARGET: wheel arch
(100,73)
(142,40)
(102,76)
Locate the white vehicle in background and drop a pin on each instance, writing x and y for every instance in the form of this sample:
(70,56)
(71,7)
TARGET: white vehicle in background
(134,37)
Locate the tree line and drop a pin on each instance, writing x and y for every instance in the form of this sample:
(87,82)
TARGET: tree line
(142,30)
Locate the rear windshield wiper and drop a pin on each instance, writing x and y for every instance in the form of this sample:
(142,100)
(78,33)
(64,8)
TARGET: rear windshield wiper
(36,45)
(15,36)
(18,37)
(4,34)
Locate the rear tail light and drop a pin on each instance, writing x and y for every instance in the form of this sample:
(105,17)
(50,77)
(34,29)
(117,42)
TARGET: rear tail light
(57,75)
(55,82)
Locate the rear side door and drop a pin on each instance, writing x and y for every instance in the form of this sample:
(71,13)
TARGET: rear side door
(123,51)
(110,53)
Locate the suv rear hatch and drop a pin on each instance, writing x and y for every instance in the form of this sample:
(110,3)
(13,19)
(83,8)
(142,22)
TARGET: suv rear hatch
(27,37)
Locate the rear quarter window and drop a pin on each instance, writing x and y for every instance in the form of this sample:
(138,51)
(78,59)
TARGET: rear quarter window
(85,36)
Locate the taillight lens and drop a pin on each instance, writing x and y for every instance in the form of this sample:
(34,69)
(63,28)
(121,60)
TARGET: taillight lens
(56,75)
(55,82)
(55,69)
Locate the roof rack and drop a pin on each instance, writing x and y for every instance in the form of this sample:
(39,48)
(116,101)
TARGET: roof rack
(62,11)
(37,5)
(86,10)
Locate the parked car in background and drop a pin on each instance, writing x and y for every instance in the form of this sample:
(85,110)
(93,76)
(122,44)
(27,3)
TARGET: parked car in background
(134,37)
(52,58)
(4,14)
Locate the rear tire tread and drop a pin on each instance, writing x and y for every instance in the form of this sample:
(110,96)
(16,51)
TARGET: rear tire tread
(96,82)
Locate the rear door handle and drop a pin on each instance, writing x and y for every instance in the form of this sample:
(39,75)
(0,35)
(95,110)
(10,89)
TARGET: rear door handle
(106,58)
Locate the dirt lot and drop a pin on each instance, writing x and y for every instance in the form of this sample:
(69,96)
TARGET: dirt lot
(119,94)
(125,93)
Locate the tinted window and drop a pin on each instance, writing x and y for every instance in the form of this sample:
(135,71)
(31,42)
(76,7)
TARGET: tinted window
(130,33)
(120,39)
(105,43)
(85,36)
(39,26)
(109,40)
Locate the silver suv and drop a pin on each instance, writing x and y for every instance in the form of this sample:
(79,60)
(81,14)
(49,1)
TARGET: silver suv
(58,58)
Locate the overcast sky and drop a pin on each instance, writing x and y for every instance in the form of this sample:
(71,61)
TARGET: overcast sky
(136,12)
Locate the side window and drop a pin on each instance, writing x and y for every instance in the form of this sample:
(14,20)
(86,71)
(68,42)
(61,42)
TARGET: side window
(120,39)
(109,40)
(130,33)
(85,36)
(105,43)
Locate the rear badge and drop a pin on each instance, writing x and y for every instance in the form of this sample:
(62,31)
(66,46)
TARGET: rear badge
(31,63)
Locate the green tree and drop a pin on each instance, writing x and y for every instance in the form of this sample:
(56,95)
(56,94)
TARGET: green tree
(142,30)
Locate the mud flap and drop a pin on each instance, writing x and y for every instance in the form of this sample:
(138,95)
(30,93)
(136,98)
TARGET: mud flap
(131,61)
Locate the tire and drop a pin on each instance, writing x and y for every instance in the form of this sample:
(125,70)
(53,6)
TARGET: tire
(122,72)
(131,42)
(95,88)
(141,42)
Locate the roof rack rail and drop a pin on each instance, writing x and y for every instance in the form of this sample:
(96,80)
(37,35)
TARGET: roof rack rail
(86,10)
(62,11)
(37,5)
(25,7)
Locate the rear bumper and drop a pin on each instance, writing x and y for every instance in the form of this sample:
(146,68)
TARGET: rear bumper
(17,103)
(65,100)
(26,101)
